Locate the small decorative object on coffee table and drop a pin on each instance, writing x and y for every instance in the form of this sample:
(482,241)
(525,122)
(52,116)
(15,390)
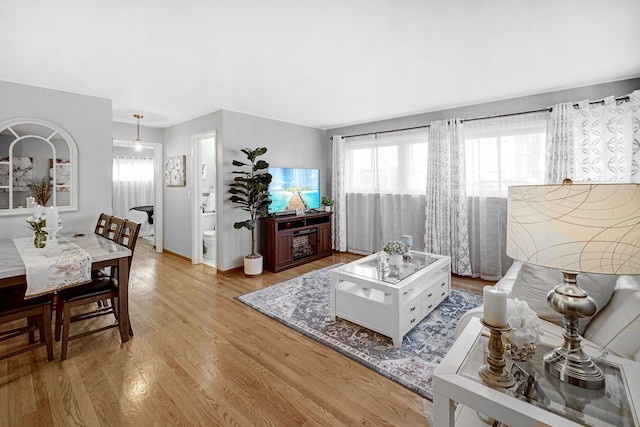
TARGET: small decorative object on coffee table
(408,241)
(395,250)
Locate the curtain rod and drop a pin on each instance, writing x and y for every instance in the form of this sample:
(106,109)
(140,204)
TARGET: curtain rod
(542,110)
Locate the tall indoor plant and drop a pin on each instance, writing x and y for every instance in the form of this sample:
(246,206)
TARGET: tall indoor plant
(250,192)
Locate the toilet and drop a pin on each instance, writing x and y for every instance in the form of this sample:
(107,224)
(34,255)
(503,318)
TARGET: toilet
(209,235)
(209,239)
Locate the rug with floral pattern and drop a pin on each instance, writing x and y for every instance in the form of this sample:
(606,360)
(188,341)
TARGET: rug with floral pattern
(302,304)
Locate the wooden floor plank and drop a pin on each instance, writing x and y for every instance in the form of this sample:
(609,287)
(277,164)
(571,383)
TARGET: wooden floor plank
(200,357)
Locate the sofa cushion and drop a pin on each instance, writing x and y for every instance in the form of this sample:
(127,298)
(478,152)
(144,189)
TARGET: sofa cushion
(617,326)
(533,283)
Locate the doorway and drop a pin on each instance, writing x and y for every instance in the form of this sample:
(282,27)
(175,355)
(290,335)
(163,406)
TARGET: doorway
(153,149)
(205,241)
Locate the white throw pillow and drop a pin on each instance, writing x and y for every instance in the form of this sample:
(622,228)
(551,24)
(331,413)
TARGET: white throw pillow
(617,327)
(533,283)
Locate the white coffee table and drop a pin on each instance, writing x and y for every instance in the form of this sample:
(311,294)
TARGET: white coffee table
(552,403)
(390,305)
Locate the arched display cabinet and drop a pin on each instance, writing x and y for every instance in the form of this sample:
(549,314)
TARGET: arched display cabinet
(36,155)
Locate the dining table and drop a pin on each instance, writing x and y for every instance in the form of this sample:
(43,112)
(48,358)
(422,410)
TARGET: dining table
(103,253)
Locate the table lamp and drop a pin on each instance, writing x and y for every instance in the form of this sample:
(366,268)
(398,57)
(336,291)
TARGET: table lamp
(575,228)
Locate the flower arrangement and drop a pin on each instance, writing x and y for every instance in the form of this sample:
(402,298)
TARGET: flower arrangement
(396,248)
(41,191)
(525,332)
(37,223)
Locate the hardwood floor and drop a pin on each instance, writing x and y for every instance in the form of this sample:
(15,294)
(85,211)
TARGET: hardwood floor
(199,357)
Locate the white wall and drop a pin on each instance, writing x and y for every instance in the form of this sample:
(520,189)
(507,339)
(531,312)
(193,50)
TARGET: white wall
(88,120)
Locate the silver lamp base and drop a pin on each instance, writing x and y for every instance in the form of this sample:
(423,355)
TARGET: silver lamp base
(568,362)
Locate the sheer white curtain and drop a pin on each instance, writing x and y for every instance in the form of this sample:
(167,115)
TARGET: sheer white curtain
(446,231)
(384,182)
(339,217)
(499,152)
(132,183)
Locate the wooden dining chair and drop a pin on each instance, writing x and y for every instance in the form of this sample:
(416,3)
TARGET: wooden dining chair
(113,228)
(101,225)
(36,312)
(104,288)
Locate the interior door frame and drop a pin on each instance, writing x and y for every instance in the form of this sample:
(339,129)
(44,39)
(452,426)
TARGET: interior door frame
(196,195)
(158,217)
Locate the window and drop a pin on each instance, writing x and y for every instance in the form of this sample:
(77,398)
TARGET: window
(388,163)
(504,151)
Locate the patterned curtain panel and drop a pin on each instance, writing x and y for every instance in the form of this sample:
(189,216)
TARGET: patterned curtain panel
(339,217)
(446,231)
(560,157)
(607,140)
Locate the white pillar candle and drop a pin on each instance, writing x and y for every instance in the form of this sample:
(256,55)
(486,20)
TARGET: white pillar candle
(495,306)
(51,216)
(407,240)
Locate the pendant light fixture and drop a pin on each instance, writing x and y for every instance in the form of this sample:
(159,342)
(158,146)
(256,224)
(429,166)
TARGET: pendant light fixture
(137,143)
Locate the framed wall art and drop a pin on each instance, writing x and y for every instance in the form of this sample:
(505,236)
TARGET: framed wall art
(63,174)
(175,171)
(22,172)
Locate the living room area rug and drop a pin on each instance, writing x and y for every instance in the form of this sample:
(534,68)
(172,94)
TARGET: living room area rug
(302,303)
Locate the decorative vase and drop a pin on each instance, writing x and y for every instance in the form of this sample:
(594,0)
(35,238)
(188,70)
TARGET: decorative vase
(395,259)
(40,239)
(522,353)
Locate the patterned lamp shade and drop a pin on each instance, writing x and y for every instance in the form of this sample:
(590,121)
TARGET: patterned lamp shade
(592,228)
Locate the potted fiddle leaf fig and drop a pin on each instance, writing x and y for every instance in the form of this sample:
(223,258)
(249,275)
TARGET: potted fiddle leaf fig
(250,192)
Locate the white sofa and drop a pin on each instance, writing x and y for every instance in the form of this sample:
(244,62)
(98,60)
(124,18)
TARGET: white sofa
(616,325)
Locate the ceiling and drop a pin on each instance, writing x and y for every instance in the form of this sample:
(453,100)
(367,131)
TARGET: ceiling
(322,63)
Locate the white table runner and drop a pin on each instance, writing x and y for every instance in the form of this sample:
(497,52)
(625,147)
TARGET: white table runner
(53,268)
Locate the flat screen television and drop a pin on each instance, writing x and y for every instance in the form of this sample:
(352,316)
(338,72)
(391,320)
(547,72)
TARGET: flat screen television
(292,189)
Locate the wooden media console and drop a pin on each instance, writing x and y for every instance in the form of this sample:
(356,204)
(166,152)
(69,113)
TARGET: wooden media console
(289,241)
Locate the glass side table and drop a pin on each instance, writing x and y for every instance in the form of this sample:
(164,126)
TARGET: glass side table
(537,399)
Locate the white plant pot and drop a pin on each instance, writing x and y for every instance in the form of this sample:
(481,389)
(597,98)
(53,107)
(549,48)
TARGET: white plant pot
(395,259)
(253,266)
(327,208)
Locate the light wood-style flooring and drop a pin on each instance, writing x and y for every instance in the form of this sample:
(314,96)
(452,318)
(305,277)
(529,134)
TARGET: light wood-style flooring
(199,357)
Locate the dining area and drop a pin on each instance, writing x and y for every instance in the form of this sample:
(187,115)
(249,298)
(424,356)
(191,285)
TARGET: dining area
(72,279)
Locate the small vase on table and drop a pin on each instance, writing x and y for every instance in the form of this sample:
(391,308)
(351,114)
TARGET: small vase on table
(40,239)
(395,259)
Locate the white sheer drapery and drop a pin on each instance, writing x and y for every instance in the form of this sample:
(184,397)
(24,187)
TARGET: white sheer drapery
(446,229)
(384,180)
(339,217)
(132,183)
(499,152)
